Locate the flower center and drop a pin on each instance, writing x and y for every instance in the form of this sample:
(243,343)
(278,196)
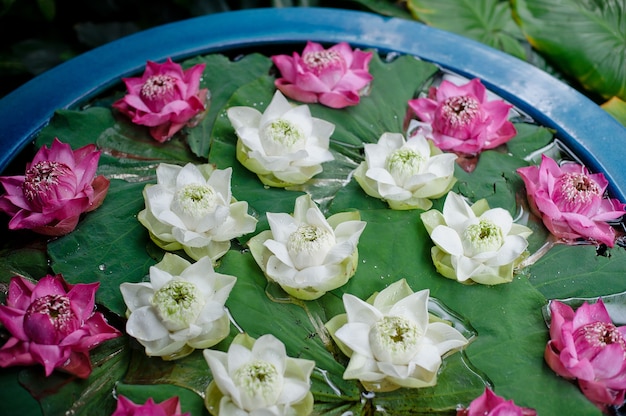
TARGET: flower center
(178,303)
(593,337)
(259,379)
(460,111)
(319,61)
(281,136)
(46,179)
(404,163)
(309,244)
(395,339)
(483,237)
(49,319)
(158,87)
(196,200)
(578,187)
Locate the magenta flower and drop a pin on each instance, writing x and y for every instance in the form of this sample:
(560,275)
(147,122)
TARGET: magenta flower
(570,201)
(169,407)
(165,98)
(461,119)
(333,77)
(588,347)
(52,323)
(59,185)
(490,404)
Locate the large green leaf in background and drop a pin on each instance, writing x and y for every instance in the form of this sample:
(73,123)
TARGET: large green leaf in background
(585,39)
(385,7)
(487,21)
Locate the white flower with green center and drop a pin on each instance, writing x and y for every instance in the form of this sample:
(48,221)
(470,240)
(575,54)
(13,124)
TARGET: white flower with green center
(281,136)
(406,174)
(178,304)
(257,377)
(285,145)
(191,208)
(195,200)
(180,309)
(392,341)
(305,253)
(475,243)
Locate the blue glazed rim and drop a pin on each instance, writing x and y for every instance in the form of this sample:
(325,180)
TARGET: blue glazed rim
(590,132)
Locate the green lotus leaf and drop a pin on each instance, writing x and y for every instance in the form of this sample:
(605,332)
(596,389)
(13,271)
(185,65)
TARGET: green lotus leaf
(222,76)
(109,246)
(569,271)
(61,394)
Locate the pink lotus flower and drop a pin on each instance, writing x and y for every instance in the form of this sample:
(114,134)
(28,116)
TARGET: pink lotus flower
(59,185)
(570,201)
(490,404)
(52,323)
(165,98)
(461,119)
(333,77)
(588,347)
(169,407)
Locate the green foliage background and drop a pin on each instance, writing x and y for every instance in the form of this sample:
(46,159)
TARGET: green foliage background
(583,43)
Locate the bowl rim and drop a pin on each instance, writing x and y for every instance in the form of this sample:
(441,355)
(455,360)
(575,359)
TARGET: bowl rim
(581,124)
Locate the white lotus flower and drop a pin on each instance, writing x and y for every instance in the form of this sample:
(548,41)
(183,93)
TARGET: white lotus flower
(258,378)
(391,339)
(306,254)
(180,309)
(475,243)
(284,146)
(406,174)
(192,208)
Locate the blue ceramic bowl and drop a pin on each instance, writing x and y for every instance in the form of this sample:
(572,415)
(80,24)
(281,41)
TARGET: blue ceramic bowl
(591,133)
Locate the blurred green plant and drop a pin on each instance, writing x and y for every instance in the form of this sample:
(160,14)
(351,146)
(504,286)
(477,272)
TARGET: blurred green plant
(581,42)
(40,34)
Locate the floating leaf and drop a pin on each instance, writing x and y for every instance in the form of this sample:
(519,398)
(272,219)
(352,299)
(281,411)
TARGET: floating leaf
(495,179)
(62,394)
(385,107)
(222,77)
(108,246)
(529,139)
(191,372)
(615,305)
(570,271)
